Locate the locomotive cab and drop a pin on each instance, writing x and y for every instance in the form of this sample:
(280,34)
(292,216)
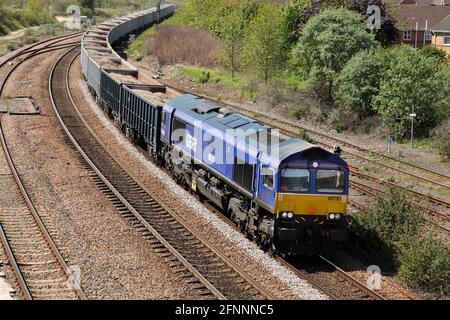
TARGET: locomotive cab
(310,197)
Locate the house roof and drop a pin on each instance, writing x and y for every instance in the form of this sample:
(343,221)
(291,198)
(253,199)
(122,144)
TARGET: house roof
(444,25)
(426,16)
(425,2)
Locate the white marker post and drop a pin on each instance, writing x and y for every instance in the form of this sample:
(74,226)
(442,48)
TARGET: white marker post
(412,115)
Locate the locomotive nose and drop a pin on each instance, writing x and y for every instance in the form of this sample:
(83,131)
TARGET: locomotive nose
(309,204)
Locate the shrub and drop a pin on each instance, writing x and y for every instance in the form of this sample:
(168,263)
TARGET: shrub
(393,218)
(341,119)
(442,137)
(433,52)
(359,82)
(411,79)
(303,135)
(425,264)
(300,112)
(174,44)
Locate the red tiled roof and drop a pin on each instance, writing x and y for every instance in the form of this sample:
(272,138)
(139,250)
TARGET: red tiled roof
(425,2)
(425,16)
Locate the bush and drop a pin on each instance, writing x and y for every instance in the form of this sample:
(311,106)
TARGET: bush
(174,44)
(433,52)
(341,119)
(300,112)
(425,264)
(303,135)
(442,137)
(393,219)
(411,79)
(394,231)
(359,82)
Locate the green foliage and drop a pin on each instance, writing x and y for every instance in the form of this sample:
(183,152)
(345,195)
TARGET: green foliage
(88,4)
(393,219)
(35,13)
(433,52)
(231,30)
(303,135)
(388,32)
(411,79)
(394,228)
(425,264)
(328,41)
(359,82)
(291,14)
(264,43)
(442,138)
(137,49)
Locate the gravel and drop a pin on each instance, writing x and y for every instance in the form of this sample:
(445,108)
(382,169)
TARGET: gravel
(115,261)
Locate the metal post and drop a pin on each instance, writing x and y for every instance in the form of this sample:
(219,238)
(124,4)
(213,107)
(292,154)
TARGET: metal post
(158,11)
(412,115)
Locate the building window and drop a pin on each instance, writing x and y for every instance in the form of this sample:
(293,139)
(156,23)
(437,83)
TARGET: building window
(407,35)
(447,39)
(429,36)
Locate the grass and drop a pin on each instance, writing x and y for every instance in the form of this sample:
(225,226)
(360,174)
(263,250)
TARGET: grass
(137,49)
(32,35)
(419,143)
(204,75)
(290,81)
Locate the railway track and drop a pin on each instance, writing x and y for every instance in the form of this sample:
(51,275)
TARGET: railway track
(39,267)
(437,208)
(321,273)
(205,268)
(50,45)
(329,278)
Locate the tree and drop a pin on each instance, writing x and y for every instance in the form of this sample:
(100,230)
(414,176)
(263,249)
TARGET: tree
(292,14)
(388,32)
(328,41)
(359,82)
(233,20)
(265,43)
(412,79)
(88,4)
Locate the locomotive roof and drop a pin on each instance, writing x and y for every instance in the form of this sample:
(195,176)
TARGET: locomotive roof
(190,108)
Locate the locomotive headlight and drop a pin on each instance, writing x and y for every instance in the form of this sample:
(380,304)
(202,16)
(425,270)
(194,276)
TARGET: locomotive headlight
(290,215)
(284,215)
(334,216)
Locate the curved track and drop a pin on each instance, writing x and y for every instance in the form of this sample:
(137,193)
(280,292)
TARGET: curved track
(41,271)
(210,273)
(39,267)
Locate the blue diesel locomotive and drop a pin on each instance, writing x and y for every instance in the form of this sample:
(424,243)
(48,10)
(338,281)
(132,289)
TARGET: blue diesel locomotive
(287,194)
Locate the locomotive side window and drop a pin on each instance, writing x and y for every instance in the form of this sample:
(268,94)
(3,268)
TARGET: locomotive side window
(178,130)
(332,181)
(268,174)
(294,180)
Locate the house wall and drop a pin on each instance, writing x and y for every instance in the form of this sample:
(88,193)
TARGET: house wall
(412,42)
(438,41)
